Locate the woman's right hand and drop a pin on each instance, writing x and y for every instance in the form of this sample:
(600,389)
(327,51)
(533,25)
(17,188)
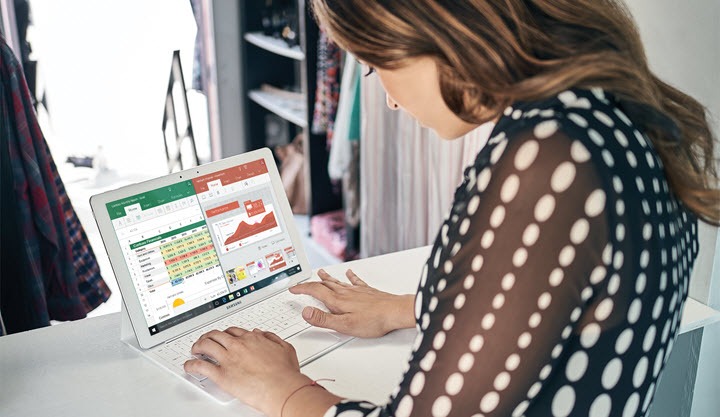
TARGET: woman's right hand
(356,309)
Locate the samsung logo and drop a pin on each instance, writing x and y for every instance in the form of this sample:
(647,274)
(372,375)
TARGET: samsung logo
(229,306)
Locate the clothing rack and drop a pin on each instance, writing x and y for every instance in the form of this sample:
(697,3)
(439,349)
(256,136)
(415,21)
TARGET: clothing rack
(177,138)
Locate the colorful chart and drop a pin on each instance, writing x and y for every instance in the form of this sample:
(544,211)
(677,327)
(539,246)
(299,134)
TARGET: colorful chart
(275,260)
(241,230)
(188,255)
(245,230)
(290,252)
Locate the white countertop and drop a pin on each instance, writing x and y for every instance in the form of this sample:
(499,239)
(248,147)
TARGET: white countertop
(83,369)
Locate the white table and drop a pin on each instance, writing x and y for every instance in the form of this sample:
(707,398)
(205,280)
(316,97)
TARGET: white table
(83,369)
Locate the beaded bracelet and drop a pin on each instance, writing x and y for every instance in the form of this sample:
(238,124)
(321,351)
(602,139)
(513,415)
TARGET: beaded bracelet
(312,384)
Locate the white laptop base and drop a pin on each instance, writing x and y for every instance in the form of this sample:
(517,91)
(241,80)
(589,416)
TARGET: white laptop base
(207,248)
(309,343)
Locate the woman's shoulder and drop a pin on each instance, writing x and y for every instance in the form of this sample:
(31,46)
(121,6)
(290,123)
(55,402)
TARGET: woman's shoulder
(580,138)
(590,124)
(583,138)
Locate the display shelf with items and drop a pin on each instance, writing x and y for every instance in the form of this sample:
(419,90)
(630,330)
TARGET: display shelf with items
(275,45)
(289,105)
(279,70)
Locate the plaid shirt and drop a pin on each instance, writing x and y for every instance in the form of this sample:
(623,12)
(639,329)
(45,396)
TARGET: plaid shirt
(60,277)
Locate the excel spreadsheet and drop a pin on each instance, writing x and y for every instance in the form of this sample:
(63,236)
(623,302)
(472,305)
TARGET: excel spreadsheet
(198,244)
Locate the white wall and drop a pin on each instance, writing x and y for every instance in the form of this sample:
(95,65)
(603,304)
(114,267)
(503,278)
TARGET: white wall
(682,40)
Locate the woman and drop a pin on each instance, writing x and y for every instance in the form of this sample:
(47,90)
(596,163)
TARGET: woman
(555,285)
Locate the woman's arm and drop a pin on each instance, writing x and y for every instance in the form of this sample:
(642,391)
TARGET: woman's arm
(312,400)
(507,288)
(356,309)
(262,370)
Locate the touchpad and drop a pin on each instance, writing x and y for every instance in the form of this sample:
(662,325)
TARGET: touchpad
(311,342)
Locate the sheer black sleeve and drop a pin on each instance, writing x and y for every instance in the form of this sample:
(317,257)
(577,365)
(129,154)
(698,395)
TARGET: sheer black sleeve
(507,282)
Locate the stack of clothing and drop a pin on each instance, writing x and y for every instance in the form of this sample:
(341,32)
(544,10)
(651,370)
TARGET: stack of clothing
(328,230)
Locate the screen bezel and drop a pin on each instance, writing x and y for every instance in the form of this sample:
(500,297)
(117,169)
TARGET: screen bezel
(122,274)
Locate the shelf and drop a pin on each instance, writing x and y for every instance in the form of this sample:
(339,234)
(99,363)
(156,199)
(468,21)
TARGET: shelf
(274,45)
(279,81)
(290,107)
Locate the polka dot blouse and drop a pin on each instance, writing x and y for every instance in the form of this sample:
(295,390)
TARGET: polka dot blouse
(555,286)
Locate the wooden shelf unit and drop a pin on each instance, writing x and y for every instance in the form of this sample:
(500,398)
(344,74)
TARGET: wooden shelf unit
(275,45)
(266,60)
(292,110)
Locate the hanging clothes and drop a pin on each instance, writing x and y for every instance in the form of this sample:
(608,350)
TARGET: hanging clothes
(344,158)
(354,127)
(199,73)
(327,91)
(346,129)
(57,276)
(351,203)
(408,175)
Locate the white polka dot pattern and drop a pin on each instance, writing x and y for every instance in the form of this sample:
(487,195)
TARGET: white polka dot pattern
(466,362)
(611,374)
(544,208)
(595,203)
(579,152)
(417,384)
(563,402)
(526,155)
(590,335)
(524,340)
(576,366)
(489,402)
(404,407)
(454,384)
(562,177)
(564,239)
(512,362)
(510,189)
(546,129)
(441,407)
(601,406)
(531,234)
(502,381)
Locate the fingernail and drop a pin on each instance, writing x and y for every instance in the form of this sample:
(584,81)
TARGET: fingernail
(307,313)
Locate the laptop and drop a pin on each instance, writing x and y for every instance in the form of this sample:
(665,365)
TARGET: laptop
(208,248)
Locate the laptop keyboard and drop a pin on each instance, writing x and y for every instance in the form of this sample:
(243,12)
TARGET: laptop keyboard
(280,314)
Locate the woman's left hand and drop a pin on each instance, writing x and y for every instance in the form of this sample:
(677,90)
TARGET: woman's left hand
(257,367)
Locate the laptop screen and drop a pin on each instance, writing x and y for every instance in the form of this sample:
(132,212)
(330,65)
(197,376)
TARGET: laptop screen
(198,244)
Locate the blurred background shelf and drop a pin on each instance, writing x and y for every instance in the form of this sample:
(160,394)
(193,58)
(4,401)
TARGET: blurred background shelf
(277,90)
(292,109)
(274,45)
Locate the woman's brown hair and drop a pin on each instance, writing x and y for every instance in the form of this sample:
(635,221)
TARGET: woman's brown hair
(492,53)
